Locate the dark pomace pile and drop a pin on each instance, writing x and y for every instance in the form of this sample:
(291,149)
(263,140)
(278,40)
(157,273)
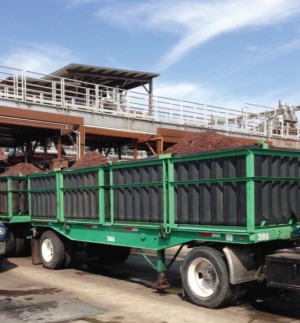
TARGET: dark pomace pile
(209,140)
(91,159)
(21,168)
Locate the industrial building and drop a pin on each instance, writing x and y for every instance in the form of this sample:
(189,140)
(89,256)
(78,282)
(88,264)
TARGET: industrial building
(54,119)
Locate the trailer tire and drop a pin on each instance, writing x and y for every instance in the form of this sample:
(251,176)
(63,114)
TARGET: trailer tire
(205,278)
(10,245)
(52,250)
(69,253)
(19,249)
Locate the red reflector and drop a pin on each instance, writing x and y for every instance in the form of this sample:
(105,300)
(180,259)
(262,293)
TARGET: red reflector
(131,229)
(90,226)
(205,234)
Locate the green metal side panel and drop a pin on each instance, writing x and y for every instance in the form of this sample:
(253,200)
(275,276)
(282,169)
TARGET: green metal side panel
(250,199)
(168,231)
(13,214)
(59,197)
(101,196)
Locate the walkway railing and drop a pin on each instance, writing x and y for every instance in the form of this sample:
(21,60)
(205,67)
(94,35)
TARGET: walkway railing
(69,94)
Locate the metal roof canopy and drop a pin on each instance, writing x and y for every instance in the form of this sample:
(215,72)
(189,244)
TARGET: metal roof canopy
(112,77)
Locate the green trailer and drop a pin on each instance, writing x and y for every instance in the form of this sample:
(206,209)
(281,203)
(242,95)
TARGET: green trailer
(237,209)
(14,212)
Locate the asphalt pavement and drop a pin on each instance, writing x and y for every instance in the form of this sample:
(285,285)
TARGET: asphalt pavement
(122,294)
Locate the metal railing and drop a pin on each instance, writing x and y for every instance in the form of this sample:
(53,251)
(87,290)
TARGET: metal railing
(69,94)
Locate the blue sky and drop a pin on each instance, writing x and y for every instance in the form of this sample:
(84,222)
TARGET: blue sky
(219,52)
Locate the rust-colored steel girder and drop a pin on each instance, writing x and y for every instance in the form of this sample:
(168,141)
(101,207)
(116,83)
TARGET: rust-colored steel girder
(115,133)
(172,136)
(39,119)
(34,123)
(44,120)
(66,124)
(135,137)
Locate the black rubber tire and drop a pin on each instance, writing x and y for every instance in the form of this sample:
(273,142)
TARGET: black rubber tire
(17,246)
(52,250)
(19,249)
(10,245)
(69,253)
(205,278)
(27,248)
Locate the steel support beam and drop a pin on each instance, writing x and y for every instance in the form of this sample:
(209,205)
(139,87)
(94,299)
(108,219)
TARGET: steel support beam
(37,119)
(115,133)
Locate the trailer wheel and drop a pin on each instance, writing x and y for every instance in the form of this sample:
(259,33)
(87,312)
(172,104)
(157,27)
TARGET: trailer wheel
(10,245)
(19,249)
(69,253)
(17,245)
(52,250)
(205,278)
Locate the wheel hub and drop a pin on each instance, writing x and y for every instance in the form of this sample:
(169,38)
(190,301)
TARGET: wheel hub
(47,250)
(203,278)
(208,275)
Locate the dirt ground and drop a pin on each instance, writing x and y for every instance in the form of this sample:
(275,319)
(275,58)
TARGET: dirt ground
(122,294)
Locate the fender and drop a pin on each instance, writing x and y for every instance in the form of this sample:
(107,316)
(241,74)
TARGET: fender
(241,264)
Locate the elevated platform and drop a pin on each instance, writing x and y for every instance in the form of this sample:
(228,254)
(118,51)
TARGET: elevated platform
(97,107)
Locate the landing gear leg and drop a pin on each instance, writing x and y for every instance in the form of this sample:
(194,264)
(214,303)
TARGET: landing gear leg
(162,282)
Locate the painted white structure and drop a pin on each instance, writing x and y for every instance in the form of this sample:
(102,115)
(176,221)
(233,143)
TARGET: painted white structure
(110,107)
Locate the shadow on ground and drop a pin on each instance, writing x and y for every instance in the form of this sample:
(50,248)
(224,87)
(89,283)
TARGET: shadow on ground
(7,265)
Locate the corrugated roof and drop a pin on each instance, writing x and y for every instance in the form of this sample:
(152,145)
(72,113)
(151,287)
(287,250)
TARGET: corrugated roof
(124,79)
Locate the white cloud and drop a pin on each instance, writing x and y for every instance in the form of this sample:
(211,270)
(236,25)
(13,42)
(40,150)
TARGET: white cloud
(205,95)
(197,21)
(77,3)
(258,54)
(184,91)
(42,58)
(196,93)
(284,48)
